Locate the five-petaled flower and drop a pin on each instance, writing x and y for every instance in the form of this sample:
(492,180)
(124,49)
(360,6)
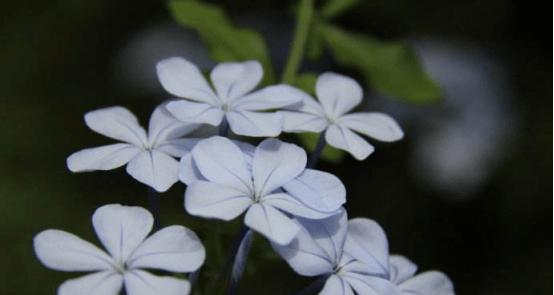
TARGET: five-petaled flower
(338,95)
(353,257)
(149,156)
(233,99)
(269,182)
(123,232)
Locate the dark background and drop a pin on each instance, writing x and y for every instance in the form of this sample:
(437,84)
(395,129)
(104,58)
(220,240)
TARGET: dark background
(487,225)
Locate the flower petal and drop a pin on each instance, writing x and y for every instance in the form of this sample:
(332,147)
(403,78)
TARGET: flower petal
(195,112)
(155,169)
(212,200)
(164,126)
(271,97)
(105,157)
(428,283)
(173,248)
(305,256)
(138,282)
(117,123)
(370,285)
(221,161)
(335,285)
(188,172)
(63,251)
(376,125)
(401,269)
(338,94)
(121,228)
(255,124)
(100,283)
(301,122)
(234,79)
(182,78)
(317,189)
(271,223)
(178,147)
(289,204)
(275,164)
(344,139)
(329,234)
(368,243)
(308,105)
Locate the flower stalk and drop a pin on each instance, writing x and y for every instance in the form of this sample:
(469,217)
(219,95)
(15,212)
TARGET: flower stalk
(318,150)
(154,206)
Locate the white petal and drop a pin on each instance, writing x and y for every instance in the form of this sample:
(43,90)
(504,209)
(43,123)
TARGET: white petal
(138,282)
(335,285)
(221,161)
(105,157)
(255,124)
(370,285)
(376,125)
(329,234)
(289,204)
(271,223)
(117,123)
(182,78)
(338,94)
(271,97)
(63,251)
(319,190)
(275,164)
(302,122)
(178,147)
(164,126)
(188,172)
(428,283)
(305,256)
(212,200)
(401,269)
(173,248)
(344,139)
(196,112)
(100,283)
(233,79)
(368,243)
(121,228)
(155,169)
(308,105)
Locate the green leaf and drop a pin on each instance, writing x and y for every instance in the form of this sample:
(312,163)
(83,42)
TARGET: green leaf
(331,154)
(333,8)
(389,67)
(224,41)
(306,82)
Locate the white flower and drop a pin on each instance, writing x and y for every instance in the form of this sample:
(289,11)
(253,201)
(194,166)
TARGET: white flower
(269,182)
(122,230)
(338,95)
(149,156)
(368,244)
(233,99)
(354,257)
(319,250)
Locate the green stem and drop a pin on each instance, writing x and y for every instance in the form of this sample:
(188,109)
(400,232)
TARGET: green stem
(303,24)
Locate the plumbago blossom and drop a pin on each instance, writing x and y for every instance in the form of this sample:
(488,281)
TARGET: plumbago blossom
(232,102)
(337,95)
(354,258)
(149,157)
(123,232)
(269,182)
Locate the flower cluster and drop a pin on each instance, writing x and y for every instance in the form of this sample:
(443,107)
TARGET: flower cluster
(297,208)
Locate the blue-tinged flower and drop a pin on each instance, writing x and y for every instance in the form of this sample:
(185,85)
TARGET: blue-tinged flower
(123,232)
(232,97)
(149,157)
(354,258)
(268,182)
(337,95)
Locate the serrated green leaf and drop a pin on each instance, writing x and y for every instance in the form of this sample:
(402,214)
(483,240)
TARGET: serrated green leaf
(330,154)
(389,67)
(224,41)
